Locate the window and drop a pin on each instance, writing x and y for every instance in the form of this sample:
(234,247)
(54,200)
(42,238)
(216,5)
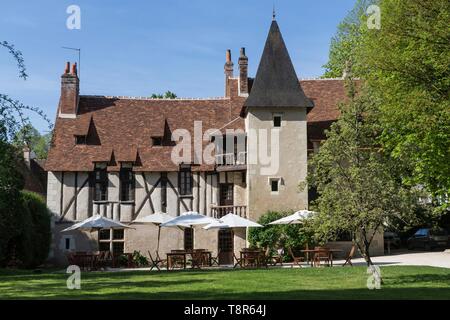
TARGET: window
(277,120)
(111,240)
(67,244)
(274,185)
(188,239)
(100,183)
(185,181)
(127,184)
(80,140)
(157,141)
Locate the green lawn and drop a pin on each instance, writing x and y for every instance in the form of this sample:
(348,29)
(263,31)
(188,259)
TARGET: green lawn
(307,283)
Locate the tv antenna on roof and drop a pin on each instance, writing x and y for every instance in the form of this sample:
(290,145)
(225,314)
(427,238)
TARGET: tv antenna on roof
(79,58)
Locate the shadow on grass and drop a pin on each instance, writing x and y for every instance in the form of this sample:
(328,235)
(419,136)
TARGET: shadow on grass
(262,284)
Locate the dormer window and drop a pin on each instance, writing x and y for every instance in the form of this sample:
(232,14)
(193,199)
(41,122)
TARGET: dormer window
(157,141)
(80,140)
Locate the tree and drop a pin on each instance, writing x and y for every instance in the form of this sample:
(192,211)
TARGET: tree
(346,41)
(12,112)
(360,186)
(30,136)
(11,182)
(167,95)
(406,65)
(12,119)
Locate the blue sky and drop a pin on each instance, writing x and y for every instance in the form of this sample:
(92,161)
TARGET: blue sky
(137,48)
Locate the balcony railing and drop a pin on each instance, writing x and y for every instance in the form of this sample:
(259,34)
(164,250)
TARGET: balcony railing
(220,211)
(232,159)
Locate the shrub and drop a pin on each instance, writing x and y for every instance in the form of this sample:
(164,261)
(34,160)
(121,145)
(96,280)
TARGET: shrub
(139,260)
(269,235)
(279,236)
(30,247)
(11,182)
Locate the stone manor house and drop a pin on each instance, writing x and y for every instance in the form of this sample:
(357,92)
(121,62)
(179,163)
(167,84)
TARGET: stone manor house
(112,155)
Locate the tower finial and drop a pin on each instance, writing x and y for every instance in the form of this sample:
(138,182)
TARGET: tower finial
(273,12)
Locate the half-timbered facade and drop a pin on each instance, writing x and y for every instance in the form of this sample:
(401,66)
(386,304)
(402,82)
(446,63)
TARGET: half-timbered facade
(114,155)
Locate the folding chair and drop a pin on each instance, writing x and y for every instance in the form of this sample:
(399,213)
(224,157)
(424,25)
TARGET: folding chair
(197,259)
(238,261)
(215,260)
(296,260)
(350,256)
(154,263)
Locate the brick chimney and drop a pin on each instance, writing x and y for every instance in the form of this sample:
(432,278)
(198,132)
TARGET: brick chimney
(228,72)
(70,89)
(243,73)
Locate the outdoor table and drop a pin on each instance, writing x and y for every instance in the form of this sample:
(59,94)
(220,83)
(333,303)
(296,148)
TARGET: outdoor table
(176,254)
(314,251)
(251,255)
(87,261)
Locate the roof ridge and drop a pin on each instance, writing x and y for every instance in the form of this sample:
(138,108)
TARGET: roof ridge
(155,99)
(325,79)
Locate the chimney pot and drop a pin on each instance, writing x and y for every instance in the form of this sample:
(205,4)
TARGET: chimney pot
(74,69)
(243,73)
(67,69)
(228,56)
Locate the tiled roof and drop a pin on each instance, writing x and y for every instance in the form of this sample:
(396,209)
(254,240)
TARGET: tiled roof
(120,129)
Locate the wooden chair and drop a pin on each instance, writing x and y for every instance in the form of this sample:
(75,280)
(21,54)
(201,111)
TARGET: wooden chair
(277,258)
(161,260)
(349,258)
(156,262)
(322,254)
(238,261)
(197,259)
(215,260)
(297,260)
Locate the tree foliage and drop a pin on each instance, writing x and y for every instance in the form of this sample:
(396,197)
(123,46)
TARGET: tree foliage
(278,236)
(406,63)
(346,41)
(360,186)
(167,95)
(406,66)
(31,137)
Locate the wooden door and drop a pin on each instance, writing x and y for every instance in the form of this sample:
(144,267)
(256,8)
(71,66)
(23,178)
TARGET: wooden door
(226,246)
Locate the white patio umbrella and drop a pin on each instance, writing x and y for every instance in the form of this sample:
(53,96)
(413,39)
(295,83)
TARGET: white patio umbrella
(296,218)
(232,221)
(188,220)
(96,223)
(157,219)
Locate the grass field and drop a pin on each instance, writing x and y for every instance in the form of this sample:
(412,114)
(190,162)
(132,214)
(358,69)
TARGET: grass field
(308,283)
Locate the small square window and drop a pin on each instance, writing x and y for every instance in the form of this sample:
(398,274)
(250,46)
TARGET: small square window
(277,121)
(67,244)
(274,185)
(80,139)
(157,141)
